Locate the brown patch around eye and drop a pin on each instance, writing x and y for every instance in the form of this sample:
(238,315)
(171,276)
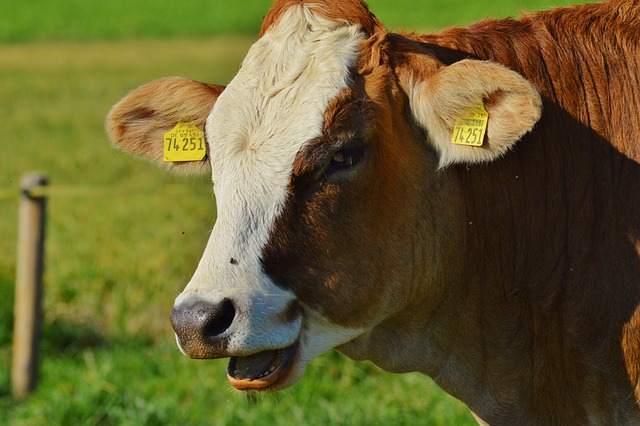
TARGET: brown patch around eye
(314,152)
(345,120)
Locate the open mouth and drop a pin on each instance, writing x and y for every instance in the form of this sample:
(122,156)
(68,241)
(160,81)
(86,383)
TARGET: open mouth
(262,370)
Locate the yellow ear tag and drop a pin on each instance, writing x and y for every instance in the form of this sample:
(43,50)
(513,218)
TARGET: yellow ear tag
(470,128)
(184,143)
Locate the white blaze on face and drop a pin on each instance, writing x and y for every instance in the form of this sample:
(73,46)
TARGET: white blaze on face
(266,114)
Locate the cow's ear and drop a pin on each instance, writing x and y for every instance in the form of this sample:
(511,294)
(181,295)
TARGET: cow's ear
(437,102)
(137,124)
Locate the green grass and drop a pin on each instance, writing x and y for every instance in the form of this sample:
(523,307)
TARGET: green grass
(116,259)
(37,20)
(45,20)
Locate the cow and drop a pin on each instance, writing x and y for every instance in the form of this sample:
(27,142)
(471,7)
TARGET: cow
(465,204)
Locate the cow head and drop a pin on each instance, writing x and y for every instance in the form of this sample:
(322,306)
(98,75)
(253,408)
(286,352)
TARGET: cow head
(328,152)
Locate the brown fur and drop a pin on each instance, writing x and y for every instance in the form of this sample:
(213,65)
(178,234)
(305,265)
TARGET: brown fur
(526,271)
(574,234)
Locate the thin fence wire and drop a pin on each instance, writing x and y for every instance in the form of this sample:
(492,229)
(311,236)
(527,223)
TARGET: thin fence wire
(94,191)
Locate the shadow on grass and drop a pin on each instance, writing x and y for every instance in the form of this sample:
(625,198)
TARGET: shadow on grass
(6,310)
(57,337)
(64,338)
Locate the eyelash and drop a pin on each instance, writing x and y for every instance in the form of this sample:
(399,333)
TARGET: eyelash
(345,158)
(341,162)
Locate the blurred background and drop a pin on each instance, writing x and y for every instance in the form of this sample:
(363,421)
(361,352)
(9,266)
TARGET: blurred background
(123,238)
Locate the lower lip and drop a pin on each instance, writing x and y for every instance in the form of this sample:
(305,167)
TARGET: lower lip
(275,379)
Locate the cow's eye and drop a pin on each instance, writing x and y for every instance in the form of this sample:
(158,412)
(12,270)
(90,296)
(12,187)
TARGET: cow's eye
(346,158)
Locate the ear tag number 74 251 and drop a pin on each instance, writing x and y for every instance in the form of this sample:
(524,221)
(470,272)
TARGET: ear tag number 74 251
(470,128)
(184,143)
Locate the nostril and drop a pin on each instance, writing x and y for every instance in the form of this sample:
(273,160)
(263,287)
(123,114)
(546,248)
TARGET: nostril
(218,321)
(200,326)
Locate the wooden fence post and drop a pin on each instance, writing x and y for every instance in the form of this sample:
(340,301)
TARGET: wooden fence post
(28,296)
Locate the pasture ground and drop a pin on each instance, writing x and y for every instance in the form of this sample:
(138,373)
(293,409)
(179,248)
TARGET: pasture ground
(123,242)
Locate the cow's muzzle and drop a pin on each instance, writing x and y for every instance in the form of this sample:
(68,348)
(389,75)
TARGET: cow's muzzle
(262,337)
(202,328)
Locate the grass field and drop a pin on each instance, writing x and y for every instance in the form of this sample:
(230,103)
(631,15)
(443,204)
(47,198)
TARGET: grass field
(46,20)
(122,247)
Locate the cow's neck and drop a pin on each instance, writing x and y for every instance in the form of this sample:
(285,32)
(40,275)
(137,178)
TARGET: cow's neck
(490,341)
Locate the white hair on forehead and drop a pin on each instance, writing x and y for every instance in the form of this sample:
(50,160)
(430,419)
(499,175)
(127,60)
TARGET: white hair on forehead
(293,71)
(297,50)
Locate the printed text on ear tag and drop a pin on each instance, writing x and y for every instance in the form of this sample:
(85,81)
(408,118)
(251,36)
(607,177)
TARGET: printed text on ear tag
(184,143)
(470,128)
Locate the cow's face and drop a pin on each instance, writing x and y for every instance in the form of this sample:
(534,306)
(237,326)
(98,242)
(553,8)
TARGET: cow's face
(330,202)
